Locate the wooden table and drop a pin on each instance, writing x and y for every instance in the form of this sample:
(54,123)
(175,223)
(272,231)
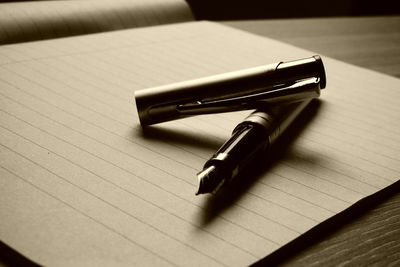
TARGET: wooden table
(371,236)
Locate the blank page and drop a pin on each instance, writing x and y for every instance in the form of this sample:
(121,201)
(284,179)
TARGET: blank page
(82,184)
(39,20)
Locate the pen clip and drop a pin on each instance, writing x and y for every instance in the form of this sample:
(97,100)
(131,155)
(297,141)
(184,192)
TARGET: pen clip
(295,92)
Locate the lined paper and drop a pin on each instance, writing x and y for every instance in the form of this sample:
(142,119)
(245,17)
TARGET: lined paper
(40,20)
(81,184)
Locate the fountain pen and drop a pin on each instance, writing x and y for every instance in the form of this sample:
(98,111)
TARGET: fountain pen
(250,137)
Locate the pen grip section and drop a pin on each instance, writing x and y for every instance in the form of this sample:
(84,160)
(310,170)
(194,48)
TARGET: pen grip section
(246,142)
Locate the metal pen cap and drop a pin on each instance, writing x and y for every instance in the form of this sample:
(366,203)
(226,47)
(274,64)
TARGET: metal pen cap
(282,82)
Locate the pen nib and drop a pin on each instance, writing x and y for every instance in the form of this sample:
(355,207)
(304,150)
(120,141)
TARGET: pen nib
(210,180)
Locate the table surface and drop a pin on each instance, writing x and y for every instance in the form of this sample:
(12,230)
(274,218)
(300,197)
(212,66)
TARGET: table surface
(371,236)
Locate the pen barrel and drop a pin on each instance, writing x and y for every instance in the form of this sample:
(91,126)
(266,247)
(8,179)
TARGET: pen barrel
(249,139)
(159,104)
(276,119)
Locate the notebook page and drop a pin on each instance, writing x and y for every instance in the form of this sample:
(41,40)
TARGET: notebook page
(81,184)
(39,20)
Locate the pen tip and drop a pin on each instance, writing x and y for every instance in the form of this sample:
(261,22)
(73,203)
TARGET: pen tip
(210,180)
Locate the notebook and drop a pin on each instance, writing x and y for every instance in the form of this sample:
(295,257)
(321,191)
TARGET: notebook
(82,184)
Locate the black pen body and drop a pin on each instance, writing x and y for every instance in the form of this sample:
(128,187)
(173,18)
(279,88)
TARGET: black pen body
(252,136)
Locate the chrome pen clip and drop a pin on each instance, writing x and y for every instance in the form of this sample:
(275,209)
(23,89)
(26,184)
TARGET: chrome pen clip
(278,95)
(274,84)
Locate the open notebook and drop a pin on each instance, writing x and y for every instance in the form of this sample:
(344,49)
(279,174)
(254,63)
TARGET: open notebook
(81,184)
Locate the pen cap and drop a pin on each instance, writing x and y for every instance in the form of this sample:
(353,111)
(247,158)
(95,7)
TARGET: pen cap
(301,69)
(236,90)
